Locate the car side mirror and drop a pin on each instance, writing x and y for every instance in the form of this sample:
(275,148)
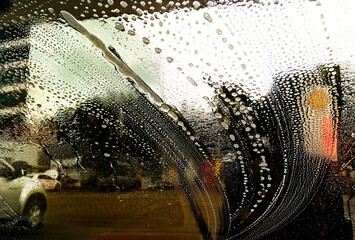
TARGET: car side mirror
(14,174)
(18,173)
(8,171)
(9,174)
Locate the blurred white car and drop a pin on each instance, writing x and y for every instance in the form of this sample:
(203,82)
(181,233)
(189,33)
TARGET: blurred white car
(22,199)
(48,182)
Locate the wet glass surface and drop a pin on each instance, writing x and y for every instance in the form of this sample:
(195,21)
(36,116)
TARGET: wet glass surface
(176,119)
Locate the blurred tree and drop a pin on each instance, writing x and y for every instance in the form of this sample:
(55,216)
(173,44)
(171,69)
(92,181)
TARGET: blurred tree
(105,138)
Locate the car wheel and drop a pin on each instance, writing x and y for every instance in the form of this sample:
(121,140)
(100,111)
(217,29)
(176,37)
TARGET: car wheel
(34,212)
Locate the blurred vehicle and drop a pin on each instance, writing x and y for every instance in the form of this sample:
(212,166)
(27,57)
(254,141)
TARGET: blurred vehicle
(52,173)
(118,183)
(126,176)
(69,182)
(48,182)
(22,199)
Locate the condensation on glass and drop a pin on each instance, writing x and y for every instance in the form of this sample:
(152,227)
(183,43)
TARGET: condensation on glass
(209,119)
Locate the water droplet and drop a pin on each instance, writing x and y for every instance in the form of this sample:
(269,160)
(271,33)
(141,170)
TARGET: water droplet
(191,81)
(173,115)
(164,108)
(218,115)
(196,4)
(158,50)
(169,59)
(119,26)
(208,17)
(123,4)
(146,40)
(131,32)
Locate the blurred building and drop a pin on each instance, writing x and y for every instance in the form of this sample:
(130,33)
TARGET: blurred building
(14,54)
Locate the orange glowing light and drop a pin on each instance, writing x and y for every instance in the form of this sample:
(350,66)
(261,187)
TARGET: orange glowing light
(318,99)
(218,164)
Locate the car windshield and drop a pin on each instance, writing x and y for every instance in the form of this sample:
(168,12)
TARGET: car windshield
(45,177)
(221,119)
